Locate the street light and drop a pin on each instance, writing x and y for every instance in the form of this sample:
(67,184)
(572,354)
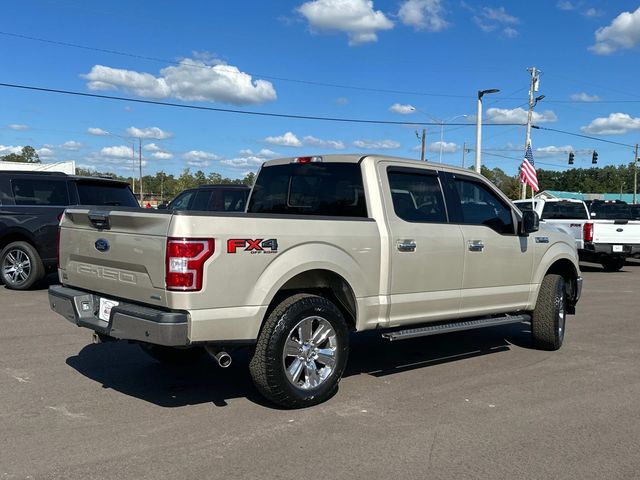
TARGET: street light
(133,158)
(481,93)
(442,124)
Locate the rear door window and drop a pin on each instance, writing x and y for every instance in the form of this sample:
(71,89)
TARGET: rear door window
(417,196)
(27,191)
(328,189)
(201,200)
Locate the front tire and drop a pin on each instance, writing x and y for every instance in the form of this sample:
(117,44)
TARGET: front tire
(301,352)
(20,266)
(549,317)
(613,264)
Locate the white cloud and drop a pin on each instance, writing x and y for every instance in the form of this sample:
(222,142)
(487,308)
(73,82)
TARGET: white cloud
(489,19)
(71,145)
(117,151)
(44,152)
(356,18)
(317,142)
(18,126)
(402,109)
(286,140)
(592,13)
(341,101)
(198,80)
(243,162)
(510,32)
(423,15)
(565,5)
(8,149)
(162,155)
(97,131)
(584,97)
(518,115)
(551,151)
(198,163)
(151,147)
(199,156)
(377,144)
(614,124)
(149,132)
(624,32)
(447,147)
(266,153)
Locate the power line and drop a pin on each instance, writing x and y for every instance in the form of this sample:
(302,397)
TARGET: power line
(583,136)
(484,152)
(242,112)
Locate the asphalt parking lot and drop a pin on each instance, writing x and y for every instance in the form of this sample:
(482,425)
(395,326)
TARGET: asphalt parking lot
(467,405)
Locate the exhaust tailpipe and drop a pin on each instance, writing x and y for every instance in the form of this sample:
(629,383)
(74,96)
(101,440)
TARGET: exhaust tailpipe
(220,356)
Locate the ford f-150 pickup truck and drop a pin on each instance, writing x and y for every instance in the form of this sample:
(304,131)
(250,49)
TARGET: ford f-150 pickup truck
(328,245)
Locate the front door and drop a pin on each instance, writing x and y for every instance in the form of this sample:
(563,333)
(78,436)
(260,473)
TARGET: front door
(498,263)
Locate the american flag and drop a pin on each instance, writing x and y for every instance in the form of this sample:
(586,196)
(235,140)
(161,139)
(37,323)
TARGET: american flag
(528,171)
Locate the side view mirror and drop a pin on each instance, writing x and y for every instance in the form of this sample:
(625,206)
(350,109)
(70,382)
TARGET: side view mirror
(530,222)
(162,206)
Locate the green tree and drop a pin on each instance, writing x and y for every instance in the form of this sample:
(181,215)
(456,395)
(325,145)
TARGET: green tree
(28,154)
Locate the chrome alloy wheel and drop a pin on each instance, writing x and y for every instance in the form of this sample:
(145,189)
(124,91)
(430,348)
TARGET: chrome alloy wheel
(310,353)
(562,316)
(16,266)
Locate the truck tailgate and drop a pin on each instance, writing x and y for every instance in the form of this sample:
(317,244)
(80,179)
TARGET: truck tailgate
(619,232)
(119,253)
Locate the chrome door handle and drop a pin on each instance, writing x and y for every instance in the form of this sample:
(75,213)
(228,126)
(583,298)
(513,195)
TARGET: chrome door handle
(406,246)
(476,246)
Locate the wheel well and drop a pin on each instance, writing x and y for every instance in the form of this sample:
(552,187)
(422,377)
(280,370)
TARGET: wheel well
(325,283)
(15,237)
(568,271)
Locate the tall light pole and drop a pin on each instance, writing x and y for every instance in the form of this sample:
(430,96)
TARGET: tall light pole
(533,87)
(442,124)
(481,93)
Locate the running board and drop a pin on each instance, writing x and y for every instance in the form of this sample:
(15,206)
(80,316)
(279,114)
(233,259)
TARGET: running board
(455,327)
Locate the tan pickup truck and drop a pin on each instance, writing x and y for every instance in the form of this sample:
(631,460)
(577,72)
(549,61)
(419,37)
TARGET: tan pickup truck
(329,245)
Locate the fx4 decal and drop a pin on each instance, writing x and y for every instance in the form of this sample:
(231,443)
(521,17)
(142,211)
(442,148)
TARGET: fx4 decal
(253,246)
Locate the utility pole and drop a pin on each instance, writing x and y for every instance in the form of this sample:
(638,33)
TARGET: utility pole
(481,93)
(635,173)
(140,179)
(464,152)
(533,87)
(423,139)
(133,163)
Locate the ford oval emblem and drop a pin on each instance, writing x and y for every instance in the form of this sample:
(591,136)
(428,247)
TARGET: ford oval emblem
(102,245)
(619,230)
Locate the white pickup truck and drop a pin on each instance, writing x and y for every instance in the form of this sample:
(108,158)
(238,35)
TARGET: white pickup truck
(328,245)
(605,234)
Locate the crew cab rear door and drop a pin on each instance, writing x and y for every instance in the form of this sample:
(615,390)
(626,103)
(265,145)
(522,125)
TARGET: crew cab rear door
(426,265)
(498,263)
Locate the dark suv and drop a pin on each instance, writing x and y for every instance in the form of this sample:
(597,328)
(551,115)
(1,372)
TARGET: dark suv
(31,204)
(214,198)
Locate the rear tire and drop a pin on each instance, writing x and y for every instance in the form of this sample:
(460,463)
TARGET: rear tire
(613,264)
(301,352)
(20,266)
(549,317)
(172,356)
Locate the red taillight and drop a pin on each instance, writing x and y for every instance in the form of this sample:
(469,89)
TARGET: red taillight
(185,260)
(315,159)
(587,232)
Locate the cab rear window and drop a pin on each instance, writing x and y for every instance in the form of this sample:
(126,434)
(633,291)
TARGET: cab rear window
(327,189)
(105,193)
(564,211)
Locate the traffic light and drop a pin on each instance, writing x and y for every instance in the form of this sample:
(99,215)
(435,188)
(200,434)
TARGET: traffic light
(571,156)
(594,157)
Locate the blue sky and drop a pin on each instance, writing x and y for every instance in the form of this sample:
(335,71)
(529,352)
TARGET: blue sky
(425,59)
